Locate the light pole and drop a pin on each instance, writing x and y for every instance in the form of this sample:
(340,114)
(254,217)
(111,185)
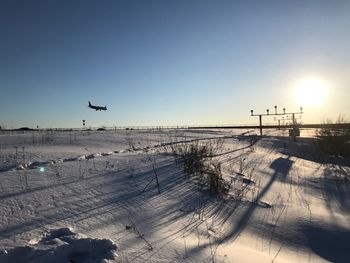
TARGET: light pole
(278,114)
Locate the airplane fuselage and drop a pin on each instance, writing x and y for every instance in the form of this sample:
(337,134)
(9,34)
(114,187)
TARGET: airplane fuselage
(97,108)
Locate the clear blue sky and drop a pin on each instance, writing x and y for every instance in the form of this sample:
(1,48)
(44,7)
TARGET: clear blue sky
(169,62)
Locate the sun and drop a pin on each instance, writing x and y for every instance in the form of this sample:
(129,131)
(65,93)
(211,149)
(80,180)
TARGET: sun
(310,92)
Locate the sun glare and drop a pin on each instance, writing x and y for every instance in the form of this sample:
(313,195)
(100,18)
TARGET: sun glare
(310,92)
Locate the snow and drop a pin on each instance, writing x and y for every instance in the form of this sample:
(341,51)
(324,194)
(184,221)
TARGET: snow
(97,200)
(62,245)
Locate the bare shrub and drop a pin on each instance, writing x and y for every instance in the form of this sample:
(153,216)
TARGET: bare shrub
(152,160)
(197,158)
(132,226)
(243,179)
(130,140)
(213,177)
(193,156)
(334,139)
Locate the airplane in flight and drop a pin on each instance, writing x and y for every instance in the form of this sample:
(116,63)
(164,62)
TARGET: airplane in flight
(97,108)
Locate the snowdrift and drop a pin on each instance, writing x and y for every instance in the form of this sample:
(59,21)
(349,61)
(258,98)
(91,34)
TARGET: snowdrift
(60,246)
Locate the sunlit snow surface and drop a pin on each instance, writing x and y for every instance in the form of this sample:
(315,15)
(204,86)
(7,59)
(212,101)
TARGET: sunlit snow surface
(287,202)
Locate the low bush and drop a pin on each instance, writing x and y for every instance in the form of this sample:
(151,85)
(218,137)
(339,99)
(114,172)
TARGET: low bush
(197,159)
(334,139)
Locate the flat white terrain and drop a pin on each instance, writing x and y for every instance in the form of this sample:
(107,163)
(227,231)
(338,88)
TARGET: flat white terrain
(92,196)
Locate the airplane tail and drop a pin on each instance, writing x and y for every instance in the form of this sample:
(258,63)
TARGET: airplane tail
(89,103)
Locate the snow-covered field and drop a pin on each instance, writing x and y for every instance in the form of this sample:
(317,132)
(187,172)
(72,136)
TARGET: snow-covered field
(91,196)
